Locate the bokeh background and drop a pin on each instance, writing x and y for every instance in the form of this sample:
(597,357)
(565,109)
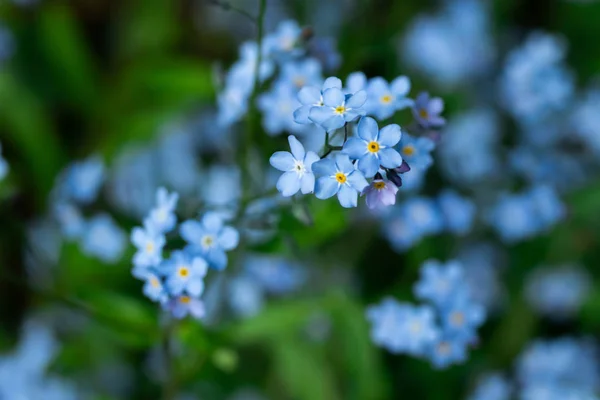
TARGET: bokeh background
(133,83)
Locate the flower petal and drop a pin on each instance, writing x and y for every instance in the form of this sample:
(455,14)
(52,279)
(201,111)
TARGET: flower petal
(390,158)
(390,135)
(212,222)
(307,183)
(217,258)
(297,148)
(309,95)
(333,123)
(333,97)
(347,196)
(229,238)
(191,231)
(342,161)
(355,148)
(368,129)
(324,167)
(282,160)
(351,115)
(368,165)
(301,114)
(400,86)
(326,187)
(310,158)
(319,115)
(288,184)
(357,100)
(332,82)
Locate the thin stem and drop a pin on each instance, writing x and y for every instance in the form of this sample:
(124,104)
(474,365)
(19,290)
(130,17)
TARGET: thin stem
(229,7)
(171,382)
(345,132)
(260,20)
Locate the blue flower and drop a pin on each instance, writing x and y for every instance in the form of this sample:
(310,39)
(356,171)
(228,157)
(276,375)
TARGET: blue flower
(492,387)
(384,99)
(355,82)
(283,43)
(514,218)
(423,215)
(427,110)
(275,274)
(447,350)
(312,96)
(7,44)
(399,232)
(154,289)
(209,239)
(440,284)
(182,306)
(185,274)
(387,321)
(337,109)
(417,151)
(297,168)
(303,73)
(103,239)
(162,217)
(339,177)
(70,219)
(3,165)
(547,205)
(277,107)
(246,296)
(149,244)
(374,148)
(419,330)
(458,212)
(462,317)
(380,193)
(83,179)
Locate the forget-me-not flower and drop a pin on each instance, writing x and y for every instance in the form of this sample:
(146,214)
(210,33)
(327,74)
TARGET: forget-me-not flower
(384,99)
(427,110)
(338,109)
(341,178)
(462,317)
(185,273)
(299,74)
(416,151)
(162,217)
(149,244)
(210,239)
(297,168)
(458,212)
(447,350)
(440,284)
(380,193)
(154,288)
(83,179)
(312,96)
(277,107)
(373,147)
(182,306)
(103,238)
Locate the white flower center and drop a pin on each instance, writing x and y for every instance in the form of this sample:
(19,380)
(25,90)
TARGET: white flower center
(299,168)
(207,241)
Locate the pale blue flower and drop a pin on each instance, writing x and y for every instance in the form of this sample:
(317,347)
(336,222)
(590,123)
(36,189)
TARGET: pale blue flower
(548,206)
(297,168)
(182,306)
(384,99)
(149,244)
(423,215)
(246,296)
(514,218)
(492,387)
(380,193)
(416,151)
(458,212)
(83,179)
(154,289)
(399,232)
(426,111)
(162,218)
(440,283)
(210,239)
(355,82)
(185,274)
(461,317)
(221,186)
(337,108)
(299,74)
(70,219)
(373,147)
(447,350)
(284,42)
(419,330)
(277,107)
(3,165)
(387,320)
(275,274)
(341,178)
(312,96)
(103,239)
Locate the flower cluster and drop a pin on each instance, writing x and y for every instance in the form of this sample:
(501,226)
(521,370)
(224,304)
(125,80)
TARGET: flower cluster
(440,331)
(177,282)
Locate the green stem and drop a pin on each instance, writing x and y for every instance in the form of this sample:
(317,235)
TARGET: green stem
(228,6)
(171,382)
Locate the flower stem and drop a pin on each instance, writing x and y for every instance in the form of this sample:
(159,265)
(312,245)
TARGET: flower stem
(170,385)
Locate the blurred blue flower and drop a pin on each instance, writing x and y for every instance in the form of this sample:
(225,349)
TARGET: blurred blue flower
(7,44)
(277,107)
(182,306)
(384,99)
(461,318)
(423,215)
(373,147)
(154,288)
(275,274)
(246,296)
(585,119)
(283,44)
(458,212)
(492,387)
(558,292)
(177,153)
(3,165)
(210,239)
(416,151)
(380,193)
(222,186)
(337,108)
(297,168)
(548,206)
(387,321)
(535,83)
(325,50)
(418,331)
(339,177)
(514,218)
(448,350)
(83,179)
(426,110)
(70,219)
(149,244)
(162,218)
(440,283)
(298,74)
(185,274)
(103,239)
(355,82)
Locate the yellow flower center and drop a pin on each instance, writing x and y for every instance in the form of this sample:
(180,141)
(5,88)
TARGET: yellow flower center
(423,113)
(379,185)
(387,99)
(373,147)
(184,299)
(457,318)
(299,81)
(207,241)
(183,272)
(340,177)
(340,110)
(408,150)
(154,282)
(149,247)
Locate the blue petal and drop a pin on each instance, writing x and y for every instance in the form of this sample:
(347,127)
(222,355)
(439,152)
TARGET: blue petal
(369,165)
(229,238)
(333,97)
(390,158)
(378,87)
(368,129)
(400,86)
(357,100)
(357,181)
(307,183)
(343,163)
(355,148)
(301,114)
(191,231)
(348,197)
(288,184)
(297,148)
(212,222)
(309,95)
(217,258)
(354,113)
(319,115)
(356,81)
(310,158)
(332,82)
(333,123)
(282,160)
(390,135)
(324,167)
(326,187)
